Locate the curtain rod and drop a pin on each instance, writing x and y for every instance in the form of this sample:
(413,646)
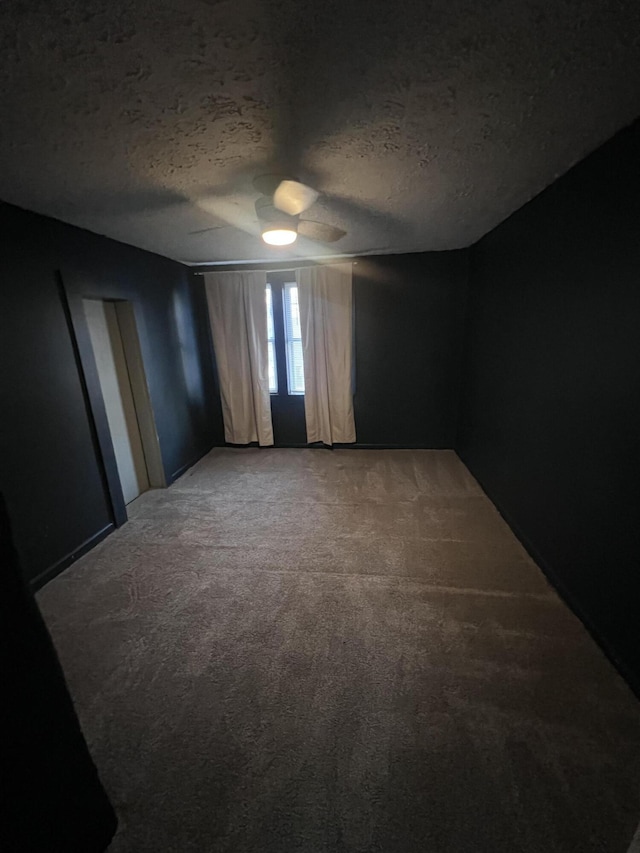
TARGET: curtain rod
(248,268)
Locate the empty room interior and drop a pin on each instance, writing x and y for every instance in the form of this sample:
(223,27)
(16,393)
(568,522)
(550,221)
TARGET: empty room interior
(320,433)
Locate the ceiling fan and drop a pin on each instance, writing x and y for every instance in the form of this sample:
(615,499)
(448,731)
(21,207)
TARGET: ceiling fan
(278,209)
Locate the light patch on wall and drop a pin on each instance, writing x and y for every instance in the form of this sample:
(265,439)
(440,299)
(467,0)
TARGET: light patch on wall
(189,358)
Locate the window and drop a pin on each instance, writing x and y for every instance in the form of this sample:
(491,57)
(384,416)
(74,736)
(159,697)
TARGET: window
(273,371)
(293,339)
(286,368)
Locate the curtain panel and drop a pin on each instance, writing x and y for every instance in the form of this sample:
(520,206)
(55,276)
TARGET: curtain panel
(326,319)
(238,316)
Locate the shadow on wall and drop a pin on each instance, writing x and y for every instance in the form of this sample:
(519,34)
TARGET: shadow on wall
(188,350)
(197,362)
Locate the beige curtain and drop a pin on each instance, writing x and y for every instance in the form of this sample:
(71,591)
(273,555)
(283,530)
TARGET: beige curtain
(238,315)
(326,320)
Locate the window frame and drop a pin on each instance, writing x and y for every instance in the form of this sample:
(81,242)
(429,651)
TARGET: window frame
(291,339)
(277,281)
(272,339)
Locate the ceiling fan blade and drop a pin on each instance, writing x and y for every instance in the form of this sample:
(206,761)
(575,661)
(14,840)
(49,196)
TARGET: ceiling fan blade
(266,184)
(319,231)
(213,228)
(294,198)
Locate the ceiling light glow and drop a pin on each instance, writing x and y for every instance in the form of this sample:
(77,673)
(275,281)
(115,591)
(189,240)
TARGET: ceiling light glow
(279,236)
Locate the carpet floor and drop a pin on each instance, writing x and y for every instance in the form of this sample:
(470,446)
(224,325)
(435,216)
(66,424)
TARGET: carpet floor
(304,651)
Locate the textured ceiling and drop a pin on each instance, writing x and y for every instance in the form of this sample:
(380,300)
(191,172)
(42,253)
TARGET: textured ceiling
(424,124)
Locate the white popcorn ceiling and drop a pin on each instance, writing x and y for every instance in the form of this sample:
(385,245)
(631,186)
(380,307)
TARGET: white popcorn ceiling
(423,124)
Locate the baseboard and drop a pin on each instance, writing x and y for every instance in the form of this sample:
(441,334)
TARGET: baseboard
(357,446)
(389,447)
(556,582)
(44,577)
(190,464)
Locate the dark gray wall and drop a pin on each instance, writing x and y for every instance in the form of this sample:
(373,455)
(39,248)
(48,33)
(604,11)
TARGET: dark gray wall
(550,414)
(49,467)
(409,312)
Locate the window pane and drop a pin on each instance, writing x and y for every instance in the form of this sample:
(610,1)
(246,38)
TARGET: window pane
(273,373)
(270,334)
(295,367)
(273,379)
(295,364)
(293,312)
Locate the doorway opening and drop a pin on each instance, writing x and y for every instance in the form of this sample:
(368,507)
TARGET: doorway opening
(118,359)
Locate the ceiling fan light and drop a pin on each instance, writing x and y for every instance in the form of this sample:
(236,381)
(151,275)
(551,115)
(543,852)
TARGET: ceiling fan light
(278,236)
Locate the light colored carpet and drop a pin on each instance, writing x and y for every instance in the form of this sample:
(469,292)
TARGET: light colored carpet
(305,651)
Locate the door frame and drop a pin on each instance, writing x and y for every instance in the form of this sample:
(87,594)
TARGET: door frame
(73,292)
(128,328)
